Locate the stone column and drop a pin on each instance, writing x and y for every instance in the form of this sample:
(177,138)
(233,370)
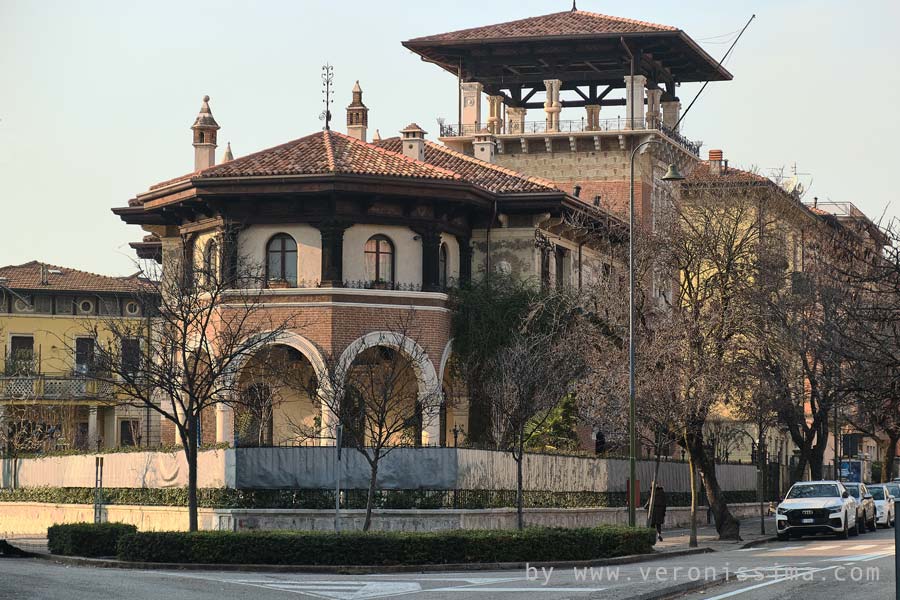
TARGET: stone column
(431,432)
(671,112)
(431,259)
(332,254)
(93,431)
(465,260)
(552,105)
(230,252)
(495,112)
(653,110)
(593,117)
(634,97)
(329,421)
(224,424)
(471,107)
(516,117)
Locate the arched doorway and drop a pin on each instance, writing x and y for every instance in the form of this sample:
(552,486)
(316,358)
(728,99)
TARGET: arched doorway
(277,403)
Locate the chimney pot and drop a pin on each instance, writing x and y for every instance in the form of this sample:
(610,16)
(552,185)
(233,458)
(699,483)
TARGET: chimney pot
(576,191)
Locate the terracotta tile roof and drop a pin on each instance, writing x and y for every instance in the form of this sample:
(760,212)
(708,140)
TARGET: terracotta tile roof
(322,153)
(818,211)
(491,177)
(703,173)
(28,277)
(568,23)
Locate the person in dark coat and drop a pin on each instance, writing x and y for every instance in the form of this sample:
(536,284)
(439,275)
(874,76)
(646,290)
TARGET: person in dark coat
(658,510)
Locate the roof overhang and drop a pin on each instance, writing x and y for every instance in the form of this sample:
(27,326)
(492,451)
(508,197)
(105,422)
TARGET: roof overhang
(582,59)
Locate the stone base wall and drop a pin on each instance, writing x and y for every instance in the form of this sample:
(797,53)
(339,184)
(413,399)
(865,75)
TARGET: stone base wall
(33,518)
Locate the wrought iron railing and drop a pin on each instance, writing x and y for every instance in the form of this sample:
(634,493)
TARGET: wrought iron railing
(575,126)
(54,387)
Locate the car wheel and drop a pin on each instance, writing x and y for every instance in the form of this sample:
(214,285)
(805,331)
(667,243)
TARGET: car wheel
(855,530)
(860,524)
(846,533)
(873,524)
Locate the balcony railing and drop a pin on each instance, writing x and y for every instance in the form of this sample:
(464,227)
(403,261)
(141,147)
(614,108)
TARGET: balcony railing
(576,126)
(54,387)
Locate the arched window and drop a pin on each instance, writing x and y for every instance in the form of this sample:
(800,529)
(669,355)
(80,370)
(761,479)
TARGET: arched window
(281,262)
(380,259)
(211,262)
(442,270)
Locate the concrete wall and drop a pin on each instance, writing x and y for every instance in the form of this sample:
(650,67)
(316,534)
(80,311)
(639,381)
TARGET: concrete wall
(403,468)
(34,518)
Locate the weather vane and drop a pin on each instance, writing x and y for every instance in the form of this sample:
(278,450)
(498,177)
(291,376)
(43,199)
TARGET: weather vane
(327,80)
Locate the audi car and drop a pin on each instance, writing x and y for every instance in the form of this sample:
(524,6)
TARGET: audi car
(812,507)
(884,504)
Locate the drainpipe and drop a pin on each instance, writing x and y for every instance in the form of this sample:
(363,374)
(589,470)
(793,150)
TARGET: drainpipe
(487,257)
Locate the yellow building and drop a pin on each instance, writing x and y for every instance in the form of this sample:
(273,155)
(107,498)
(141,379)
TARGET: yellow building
(49,319)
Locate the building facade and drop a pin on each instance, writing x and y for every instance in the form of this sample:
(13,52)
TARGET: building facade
(51,319)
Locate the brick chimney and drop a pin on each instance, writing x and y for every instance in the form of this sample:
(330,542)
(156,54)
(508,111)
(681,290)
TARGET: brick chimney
(716,162)
(204,128)
(413,138)
(357,115)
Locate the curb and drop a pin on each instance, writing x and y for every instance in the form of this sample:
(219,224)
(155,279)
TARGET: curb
(759,542)
(679,589)
(361,569)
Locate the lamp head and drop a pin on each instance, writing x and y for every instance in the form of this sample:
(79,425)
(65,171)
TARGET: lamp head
(673,174)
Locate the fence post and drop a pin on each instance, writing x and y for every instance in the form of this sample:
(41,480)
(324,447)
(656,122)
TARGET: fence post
(98,489)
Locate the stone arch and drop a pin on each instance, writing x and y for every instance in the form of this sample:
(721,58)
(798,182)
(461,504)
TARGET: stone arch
(445,358)
(427,376)
(311,352)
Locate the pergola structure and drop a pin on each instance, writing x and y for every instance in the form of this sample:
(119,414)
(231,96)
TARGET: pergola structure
(588,54)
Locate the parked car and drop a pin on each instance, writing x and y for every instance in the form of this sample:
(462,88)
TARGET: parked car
(865,506)
(884,504)
(812,507)
(893,488)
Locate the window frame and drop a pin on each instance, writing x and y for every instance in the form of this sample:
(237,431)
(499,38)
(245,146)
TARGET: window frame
(283,253)
(378,238)
(211,262)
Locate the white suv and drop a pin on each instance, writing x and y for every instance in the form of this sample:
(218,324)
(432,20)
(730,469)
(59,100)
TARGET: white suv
(816,507)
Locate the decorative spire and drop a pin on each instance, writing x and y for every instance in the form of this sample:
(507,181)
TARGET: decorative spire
(574,8)
(228,156)
(327,80)
(205,117)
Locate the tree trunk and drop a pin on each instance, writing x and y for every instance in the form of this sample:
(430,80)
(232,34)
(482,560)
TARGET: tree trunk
(890,455)
(817,462)
(520,495)
(692,542)
(727,526)
(370,497)
(761,486)
(192,474)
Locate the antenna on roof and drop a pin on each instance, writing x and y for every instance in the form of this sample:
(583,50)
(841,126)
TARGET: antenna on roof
(327,80)
(574,8)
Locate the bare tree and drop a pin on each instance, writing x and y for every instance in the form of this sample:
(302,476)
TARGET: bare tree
(531,375)
(182,358)
(379,399)
(31,427)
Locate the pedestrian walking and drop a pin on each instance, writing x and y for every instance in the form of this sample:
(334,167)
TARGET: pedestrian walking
(658,510)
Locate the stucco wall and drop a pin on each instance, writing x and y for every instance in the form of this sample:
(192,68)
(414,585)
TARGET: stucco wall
(252,248)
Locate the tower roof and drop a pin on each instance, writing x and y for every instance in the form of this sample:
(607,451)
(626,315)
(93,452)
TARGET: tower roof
(204,117)
(582,47)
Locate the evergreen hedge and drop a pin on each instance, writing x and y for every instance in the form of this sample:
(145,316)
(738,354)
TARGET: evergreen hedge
(87,539)
(385,548)
(324,499)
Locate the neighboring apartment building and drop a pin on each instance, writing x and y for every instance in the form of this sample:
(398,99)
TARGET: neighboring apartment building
(48,398)
(352,236)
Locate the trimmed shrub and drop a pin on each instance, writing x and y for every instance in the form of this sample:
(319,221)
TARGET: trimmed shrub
(324,499)
(384,548)
(87,539)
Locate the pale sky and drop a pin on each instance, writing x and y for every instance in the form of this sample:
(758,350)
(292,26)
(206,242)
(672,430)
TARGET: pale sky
(97,98)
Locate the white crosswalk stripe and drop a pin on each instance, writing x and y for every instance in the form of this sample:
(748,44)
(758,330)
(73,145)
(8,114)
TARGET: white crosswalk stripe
(338,590)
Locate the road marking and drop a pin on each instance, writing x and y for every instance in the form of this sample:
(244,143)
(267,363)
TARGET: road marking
(768,583)
(856,557)
(861,546)
(519,590)
(783,548)
(827,547)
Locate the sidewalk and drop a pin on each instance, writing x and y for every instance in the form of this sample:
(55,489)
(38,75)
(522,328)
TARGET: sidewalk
(677,539)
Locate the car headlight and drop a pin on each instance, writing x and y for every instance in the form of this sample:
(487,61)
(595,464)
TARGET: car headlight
(835,508)
(781,511)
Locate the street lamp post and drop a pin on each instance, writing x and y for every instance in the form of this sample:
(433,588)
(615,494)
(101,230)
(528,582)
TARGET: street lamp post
(672,174)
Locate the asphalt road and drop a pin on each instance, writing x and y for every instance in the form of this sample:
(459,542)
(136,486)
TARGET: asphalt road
(861,566)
